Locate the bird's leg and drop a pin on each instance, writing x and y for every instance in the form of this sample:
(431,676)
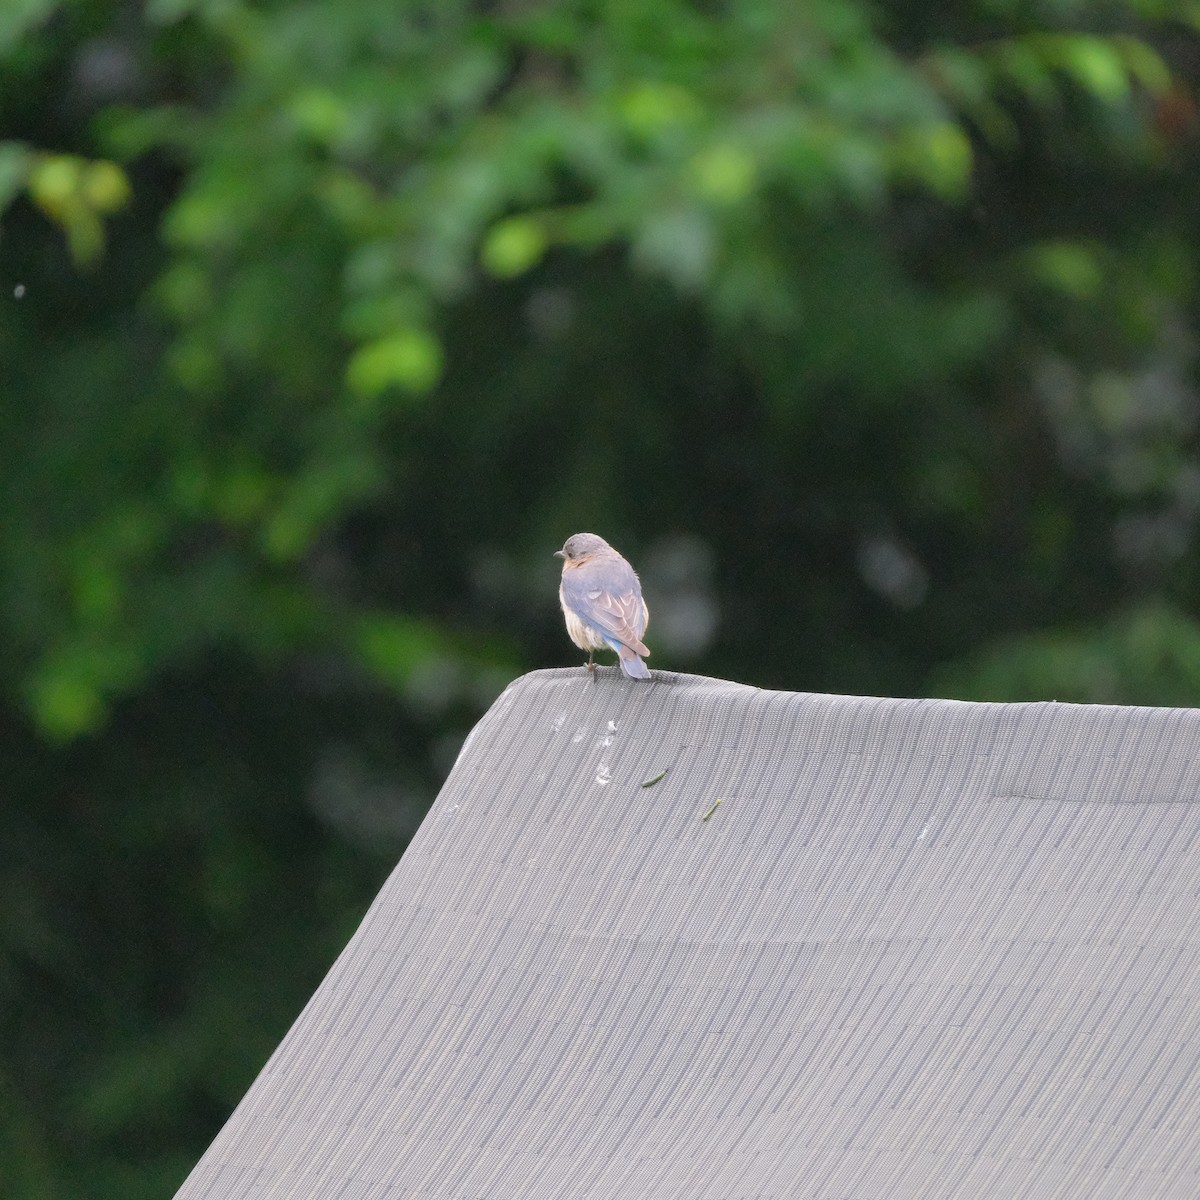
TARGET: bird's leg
(591,666)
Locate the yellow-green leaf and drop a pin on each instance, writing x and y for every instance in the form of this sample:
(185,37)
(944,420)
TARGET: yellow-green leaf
(724,173)
(512,246)
(410,360)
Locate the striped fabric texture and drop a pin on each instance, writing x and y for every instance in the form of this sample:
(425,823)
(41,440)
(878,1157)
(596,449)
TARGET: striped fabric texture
(686,939)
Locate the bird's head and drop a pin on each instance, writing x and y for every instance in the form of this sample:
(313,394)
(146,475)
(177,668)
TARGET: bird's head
(582,545)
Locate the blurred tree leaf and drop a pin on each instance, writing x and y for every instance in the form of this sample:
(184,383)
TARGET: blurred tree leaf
(513,246)
(20,17)
(78,195)
(409,359)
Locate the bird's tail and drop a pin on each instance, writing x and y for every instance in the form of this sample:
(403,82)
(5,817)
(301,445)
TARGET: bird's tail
(631,664)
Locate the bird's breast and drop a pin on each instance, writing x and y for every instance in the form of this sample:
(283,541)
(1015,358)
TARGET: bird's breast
(581,633)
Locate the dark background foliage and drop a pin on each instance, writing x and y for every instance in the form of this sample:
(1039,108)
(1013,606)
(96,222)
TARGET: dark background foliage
(867,332)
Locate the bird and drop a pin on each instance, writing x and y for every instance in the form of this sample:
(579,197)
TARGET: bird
(601,599)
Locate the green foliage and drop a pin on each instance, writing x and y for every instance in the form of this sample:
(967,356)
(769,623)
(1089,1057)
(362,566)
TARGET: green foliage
(1148,656)
(868,332)
(20,17)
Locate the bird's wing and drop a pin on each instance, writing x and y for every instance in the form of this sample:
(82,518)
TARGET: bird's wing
(624,616)
(608,596)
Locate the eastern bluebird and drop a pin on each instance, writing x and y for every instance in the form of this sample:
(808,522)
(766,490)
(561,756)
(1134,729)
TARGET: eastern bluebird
(602,601)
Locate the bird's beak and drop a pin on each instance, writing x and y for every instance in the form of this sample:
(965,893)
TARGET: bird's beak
(560,554)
